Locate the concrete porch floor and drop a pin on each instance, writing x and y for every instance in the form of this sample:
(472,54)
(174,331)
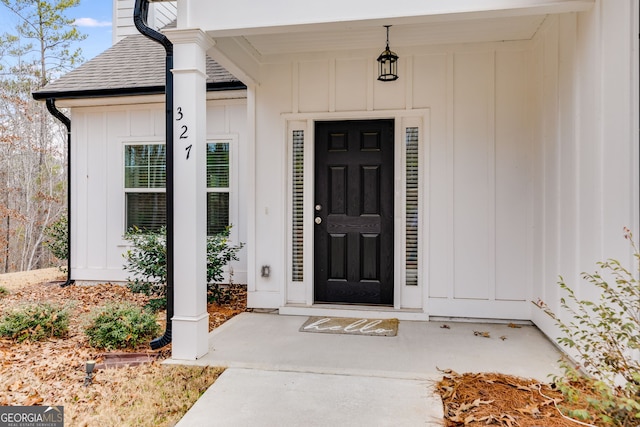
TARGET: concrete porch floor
(279,376)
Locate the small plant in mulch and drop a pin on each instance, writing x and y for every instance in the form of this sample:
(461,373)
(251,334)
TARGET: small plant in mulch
(3,291)
(35,322)
(605,337)
(120,325)
(147,263)
(479,399)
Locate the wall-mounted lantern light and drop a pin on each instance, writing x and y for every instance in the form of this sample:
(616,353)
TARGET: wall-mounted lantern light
(388,63)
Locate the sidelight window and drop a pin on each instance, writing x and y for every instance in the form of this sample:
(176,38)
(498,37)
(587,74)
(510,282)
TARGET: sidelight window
(411,206)
(297,208)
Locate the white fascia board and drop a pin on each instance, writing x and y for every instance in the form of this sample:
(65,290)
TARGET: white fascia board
(143,99)
(275,16)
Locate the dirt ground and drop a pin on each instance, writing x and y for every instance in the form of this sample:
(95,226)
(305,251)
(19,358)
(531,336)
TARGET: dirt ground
(52,372)
(13,281)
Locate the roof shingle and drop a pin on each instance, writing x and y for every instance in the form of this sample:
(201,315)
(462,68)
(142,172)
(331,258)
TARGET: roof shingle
(135,64)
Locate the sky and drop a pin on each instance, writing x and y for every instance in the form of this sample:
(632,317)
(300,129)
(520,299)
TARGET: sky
(93,18)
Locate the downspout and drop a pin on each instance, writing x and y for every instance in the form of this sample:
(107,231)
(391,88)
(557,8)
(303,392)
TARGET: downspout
(140,13)
(51,106)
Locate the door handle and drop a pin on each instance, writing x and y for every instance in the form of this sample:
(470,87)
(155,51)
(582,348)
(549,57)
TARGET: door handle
(318,220)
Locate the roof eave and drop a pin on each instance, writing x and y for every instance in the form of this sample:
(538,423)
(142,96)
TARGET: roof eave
(133,91)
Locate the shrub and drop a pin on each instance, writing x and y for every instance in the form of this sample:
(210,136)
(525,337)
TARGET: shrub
(35,322)
(147,262)
(219,254)
(3,291)
(606,337)
(147,259)
(57,239)
(121,325)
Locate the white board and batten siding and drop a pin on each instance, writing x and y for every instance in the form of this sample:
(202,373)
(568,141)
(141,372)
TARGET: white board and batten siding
(99,136)
(476,168)
(585,110)
(528,156)
(160,15)
(530,160)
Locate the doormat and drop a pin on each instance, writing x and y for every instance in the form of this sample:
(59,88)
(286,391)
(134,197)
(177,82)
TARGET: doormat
(351,326)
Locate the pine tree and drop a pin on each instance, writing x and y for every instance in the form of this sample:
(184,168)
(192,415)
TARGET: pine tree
(32,165)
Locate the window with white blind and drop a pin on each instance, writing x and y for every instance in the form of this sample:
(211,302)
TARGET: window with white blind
(411,205)
(217,187)
(145,180)
(144,186)
(297,195)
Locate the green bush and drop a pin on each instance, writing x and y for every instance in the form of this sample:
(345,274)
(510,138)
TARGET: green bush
(121,325)
(3,291)
(57,239)
(35,322)
(147,262)
(606,337)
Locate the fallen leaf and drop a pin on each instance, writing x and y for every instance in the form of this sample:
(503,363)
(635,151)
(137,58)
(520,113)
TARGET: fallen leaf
(529,410)
(448,371)
(445,327)
(33,399)
(476,403)
(551,402)
(514,326)
(521,387)
(15,386)
(503,337)
(456,419)
(483,334)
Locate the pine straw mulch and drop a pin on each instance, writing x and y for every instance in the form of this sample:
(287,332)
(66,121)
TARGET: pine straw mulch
(51,372)
(480,399)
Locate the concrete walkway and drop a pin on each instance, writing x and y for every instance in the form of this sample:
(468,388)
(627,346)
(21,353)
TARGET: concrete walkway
(278,376)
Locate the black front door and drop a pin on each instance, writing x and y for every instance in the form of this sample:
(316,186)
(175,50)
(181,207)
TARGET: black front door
(354,194)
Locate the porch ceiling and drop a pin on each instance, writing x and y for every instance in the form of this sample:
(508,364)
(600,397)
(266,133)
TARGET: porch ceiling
(244,41)
(372,35)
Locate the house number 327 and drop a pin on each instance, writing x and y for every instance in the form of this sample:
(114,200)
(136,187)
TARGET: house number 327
(184,131)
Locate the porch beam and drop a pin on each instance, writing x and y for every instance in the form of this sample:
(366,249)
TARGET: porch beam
(238,57)
(277,16)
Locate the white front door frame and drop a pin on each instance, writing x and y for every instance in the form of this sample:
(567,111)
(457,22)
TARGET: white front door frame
(409,301)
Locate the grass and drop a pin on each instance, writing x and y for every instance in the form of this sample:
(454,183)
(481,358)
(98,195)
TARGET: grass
(145,395)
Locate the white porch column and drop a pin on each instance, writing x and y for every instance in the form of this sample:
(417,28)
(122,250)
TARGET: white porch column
(190,321)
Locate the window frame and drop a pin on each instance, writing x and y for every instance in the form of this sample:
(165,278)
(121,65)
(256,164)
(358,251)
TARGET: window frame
(225,139)
(128,190)
(234,179)
(230,138)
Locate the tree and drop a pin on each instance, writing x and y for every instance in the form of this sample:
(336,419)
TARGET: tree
(32,151)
